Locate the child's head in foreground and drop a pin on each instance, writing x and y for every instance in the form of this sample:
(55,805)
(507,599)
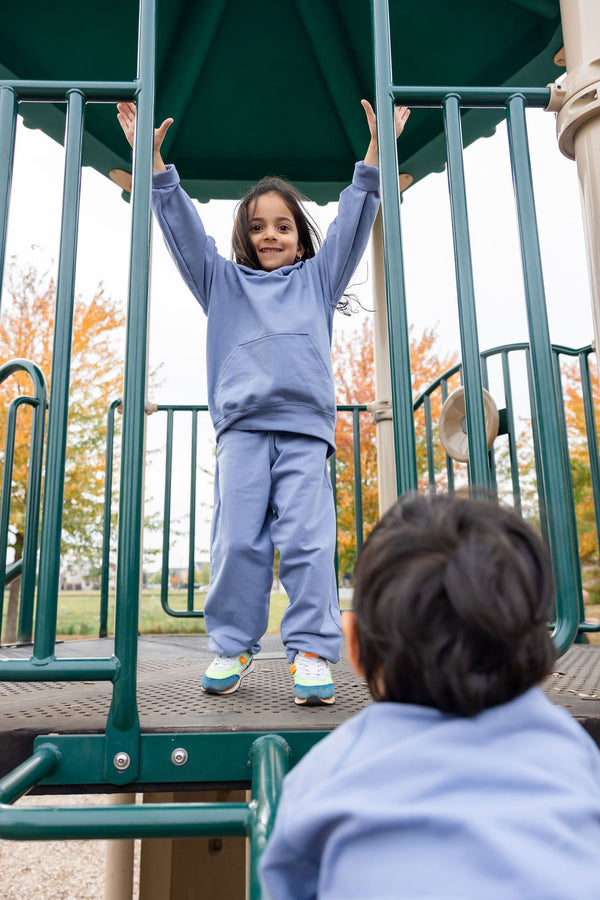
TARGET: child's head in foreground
(452,597)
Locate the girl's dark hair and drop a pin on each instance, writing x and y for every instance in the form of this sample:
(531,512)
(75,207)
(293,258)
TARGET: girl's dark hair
(452,600)
(242,247)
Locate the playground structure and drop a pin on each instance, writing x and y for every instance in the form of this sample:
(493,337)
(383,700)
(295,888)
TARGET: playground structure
(122,755)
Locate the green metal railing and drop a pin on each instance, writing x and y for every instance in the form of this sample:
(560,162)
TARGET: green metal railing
(25,567)
(123,728)
(176,410)
(444,476)
(554,474)
(268,761)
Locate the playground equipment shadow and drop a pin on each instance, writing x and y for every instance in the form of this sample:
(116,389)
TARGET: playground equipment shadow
(170,699)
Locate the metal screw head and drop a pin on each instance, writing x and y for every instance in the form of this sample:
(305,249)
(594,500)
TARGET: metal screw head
(122,761)
(179,756)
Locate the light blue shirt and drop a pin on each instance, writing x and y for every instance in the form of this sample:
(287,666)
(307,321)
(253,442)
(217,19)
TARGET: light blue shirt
(404,802)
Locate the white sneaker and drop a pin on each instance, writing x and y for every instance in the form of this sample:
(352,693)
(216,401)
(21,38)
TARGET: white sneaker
(313,684)
(225,673)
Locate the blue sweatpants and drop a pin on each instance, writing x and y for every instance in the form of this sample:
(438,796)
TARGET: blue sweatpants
(272,489)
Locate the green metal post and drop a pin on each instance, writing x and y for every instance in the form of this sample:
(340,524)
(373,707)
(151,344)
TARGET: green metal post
(28,774)
(404,430)
(358,504)
(192,534)
(122,732)
(270,757)
(45,630)
(553,469)
(478,457)
(8,120)
(333,477)
(5,493)
(106,523)
(164,583)
(512,438)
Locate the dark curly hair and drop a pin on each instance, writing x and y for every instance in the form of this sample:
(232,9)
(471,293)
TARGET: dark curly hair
(452,601)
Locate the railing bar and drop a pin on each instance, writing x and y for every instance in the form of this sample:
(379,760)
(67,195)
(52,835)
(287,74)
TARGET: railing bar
(123,722)
(32,511)
(56,91)
(556,477)
(429,443)
(358,504)
(66,669)
(478,457)
(333,478)
(592,435)
(18,782)
(106,523)
(5,495)
(512,440)
(485,381)
(470,97)
(50,545)
(402,403)
(564,440)
(192,534)
(164,581)
(270,758)
(449,461)
(8,123)
(150,820)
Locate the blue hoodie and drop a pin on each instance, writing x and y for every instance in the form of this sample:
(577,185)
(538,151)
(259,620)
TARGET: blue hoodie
(268,353)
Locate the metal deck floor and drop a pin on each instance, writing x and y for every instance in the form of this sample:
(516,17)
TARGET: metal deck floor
(170,698)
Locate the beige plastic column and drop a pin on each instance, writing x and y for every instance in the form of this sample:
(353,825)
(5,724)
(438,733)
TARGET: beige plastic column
(118,884)
(381,409)
(577,102)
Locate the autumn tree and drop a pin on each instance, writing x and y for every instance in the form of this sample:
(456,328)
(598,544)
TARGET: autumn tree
(26,331)
(354,370)
(579,457)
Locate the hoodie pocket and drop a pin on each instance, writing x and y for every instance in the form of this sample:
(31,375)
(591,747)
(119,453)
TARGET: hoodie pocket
(276,369)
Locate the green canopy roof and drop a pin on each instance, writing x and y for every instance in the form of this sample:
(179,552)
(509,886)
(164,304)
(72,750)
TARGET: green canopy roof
(275,86)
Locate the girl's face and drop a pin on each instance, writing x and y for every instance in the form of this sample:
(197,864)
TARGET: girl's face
(273,232)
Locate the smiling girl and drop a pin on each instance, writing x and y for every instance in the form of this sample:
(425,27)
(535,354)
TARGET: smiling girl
(272,402)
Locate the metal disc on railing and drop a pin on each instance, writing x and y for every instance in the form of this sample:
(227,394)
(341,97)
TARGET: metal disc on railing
(453,424)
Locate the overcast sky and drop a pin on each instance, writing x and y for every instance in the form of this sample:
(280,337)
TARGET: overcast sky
(177,328)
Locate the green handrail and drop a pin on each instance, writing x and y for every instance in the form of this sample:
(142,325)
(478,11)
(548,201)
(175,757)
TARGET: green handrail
(8,122)
(557,350)
(34,487)
(269,760)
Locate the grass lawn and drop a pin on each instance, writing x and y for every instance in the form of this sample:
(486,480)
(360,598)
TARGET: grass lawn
(79,614)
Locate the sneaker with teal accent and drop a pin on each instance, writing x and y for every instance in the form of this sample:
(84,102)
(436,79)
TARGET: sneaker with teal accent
(313,684)
(225,673)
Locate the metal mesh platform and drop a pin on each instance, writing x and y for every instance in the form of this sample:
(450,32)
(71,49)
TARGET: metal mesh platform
(170,698)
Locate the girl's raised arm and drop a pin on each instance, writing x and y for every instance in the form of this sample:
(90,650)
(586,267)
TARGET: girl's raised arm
(126,117)
(401,114)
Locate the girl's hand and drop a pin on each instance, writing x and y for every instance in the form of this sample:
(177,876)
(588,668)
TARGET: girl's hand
(401,114)
(126,117)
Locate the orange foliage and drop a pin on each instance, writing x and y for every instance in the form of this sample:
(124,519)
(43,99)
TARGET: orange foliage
(354,371)
(579,454)
(26,331)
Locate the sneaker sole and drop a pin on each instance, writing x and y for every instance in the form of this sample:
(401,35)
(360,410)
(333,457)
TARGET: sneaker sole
(314,701)
(235,687)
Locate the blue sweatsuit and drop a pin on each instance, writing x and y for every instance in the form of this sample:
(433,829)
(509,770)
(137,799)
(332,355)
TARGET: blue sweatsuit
(404,802)
(272,402)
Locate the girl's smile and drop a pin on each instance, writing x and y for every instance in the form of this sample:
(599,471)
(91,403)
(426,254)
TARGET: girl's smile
(273,233)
